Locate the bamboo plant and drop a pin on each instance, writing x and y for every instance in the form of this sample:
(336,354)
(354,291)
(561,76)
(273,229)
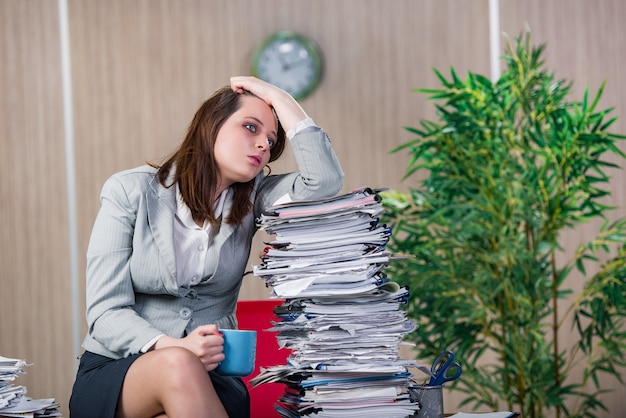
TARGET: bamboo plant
(506,168)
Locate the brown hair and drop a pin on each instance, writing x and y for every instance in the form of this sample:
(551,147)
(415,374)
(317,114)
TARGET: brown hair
(196,169)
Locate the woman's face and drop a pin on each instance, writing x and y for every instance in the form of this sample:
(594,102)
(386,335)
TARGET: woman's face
(242,146)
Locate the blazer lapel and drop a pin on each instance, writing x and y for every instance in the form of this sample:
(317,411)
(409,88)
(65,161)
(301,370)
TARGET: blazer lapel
(226,229)
(161,202)
(219,250)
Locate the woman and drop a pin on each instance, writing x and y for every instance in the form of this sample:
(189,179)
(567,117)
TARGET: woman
(168,252)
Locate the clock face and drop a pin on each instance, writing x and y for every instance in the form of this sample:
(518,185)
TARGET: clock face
(290,62)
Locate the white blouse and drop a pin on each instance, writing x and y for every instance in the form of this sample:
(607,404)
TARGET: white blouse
(192,244)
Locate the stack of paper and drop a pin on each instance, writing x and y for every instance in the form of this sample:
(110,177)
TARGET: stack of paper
(341,317)
(9,393)
(13,402)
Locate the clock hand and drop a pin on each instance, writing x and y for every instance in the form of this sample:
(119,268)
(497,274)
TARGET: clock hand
(298,62)
(287,66)
(283,63)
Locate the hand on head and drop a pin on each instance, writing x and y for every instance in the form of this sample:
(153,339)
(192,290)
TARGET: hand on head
(287,109)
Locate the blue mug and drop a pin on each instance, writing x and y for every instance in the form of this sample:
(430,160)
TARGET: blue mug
(239,352)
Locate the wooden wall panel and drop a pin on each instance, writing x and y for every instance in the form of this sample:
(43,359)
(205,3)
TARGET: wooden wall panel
(141,68)
(35,316)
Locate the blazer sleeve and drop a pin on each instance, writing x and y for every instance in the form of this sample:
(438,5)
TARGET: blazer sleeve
(319,172)
(111,320)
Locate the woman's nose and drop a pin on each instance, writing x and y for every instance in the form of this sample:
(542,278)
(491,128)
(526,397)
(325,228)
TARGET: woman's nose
(263,145)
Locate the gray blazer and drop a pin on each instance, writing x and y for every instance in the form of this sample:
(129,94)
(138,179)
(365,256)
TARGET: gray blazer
(132,292)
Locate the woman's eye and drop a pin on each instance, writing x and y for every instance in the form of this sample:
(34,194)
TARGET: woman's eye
(250,127)
(271,142)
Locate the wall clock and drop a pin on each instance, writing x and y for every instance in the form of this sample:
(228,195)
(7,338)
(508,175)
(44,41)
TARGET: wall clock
(290,61)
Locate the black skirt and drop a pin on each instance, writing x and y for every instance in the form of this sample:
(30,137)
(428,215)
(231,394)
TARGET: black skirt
(99,381)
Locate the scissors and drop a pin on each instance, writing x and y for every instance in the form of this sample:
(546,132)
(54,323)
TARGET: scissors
(443,363)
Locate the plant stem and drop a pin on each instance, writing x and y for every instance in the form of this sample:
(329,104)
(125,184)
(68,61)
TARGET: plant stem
(555,326)
(507,378)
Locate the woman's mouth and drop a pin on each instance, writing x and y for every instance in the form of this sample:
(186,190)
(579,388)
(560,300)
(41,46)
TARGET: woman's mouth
(255,160)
